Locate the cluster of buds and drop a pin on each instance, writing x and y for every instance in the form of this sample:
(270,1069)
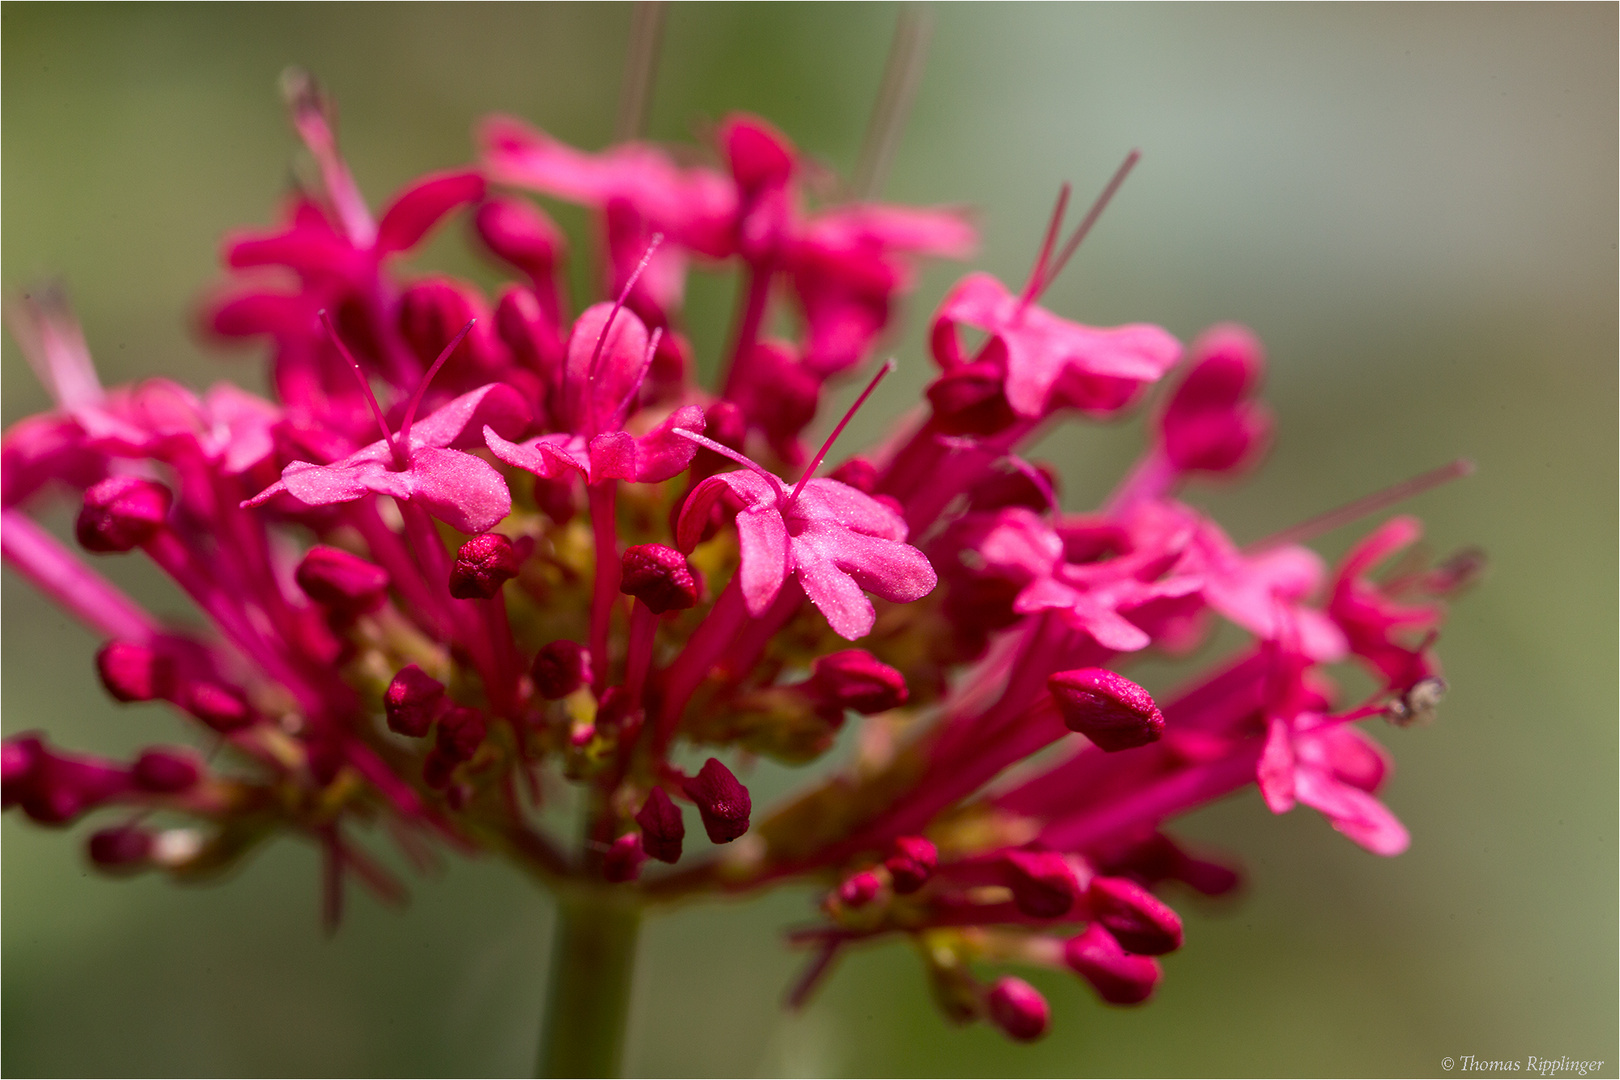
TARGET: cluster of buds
(485,565)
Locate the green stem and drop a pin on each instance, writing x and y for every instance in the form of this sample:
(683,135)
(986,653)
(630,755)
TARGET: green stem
(588,1000)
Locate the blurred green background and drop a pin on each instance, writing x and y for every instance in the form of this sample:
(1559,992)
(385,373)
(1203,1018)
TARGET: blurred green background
(1414,207)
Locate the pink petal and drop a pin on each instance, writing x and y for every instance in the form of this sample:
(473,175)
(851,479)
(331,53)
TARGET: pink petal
(464,491)
(460,423)
(829,500)
(1276,774)
(546,456)
(764,542)
(420,206)
(1353,812)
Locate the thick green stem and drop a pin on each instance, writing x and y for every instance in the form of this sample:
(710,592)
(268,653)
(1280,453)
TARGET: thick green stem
(588,1000)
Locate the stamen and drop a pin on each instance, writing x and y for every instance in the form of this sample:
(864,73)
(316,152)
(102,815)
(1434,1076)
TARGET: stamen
(902,72)
(646,365)
(1311,528)
(640,69)
(365,383)
(815,463)
(618,305)
(421,387)
(727,452)
(1038,272)
(1089,220)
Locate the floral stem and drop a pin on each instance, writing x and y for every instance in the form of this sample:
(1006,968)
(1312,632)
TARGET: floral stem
(588,999)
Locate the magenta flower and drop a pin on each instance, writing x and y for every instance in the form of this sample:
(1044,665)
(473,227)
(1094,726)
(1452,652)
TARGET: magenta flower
(624,603)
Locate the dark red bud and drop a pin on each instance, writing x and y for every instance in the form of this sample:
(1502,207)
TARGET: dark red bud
(1118,977)
(912,863)
(858,473)
(721,800)
(1139,921)
(659,577)
(855,679)
(1018,1009)
(517,231)
(220,707)
(133,672)
(436,773)
(433,311)
(461,733)
(859,889)
(123,847)
(413,701)
(1043,885)
(341,580)
(1106,708)
(560,668)
(555,498)
(166,771)
(482,566)
(662,828)
(623,859)
(121,512)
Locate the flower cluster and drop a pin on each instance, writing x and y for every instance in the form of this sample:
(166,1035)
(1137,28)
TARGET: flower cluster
(488,569)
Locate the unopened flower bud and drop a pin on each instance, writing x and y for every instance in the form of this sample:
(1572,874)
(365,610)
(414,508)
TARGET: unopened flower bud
(413,701)
(662,828)
(1018,1009)
(1139,921)
(432,312)
(759,155)
(482,566)
(132,672)
(461,733)
(123,847)
(858,473)
(1208,424)
(1106,708)
(337,579)
(855,679)
(912,863)
(1119,977)
(220,707)
(623,859)
(165,771)
(517,231)
(1043,885)
(560,668)
(659,577)
(859,889)
(121,512)
(968,400)
(722,801)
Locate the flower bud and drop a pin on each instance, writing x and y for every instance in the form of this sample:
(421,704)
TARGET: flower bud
(516,231)
(220,707)
(662,828)
(433,311)
(121,512)
(165,771)
(659,577)
(413,701)
(1043,885)
(759,155)
(1208,424)
(1118,977)
(623,859)
(912,863)
(855,679)
(132,672)
(1018,1009)
(339,580)
(123,847)
(461,733)
(1106,708)
(1139,921)
(722,801)
(482,566)
(560,668)
(859,889)
(528,331)
(858,473)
